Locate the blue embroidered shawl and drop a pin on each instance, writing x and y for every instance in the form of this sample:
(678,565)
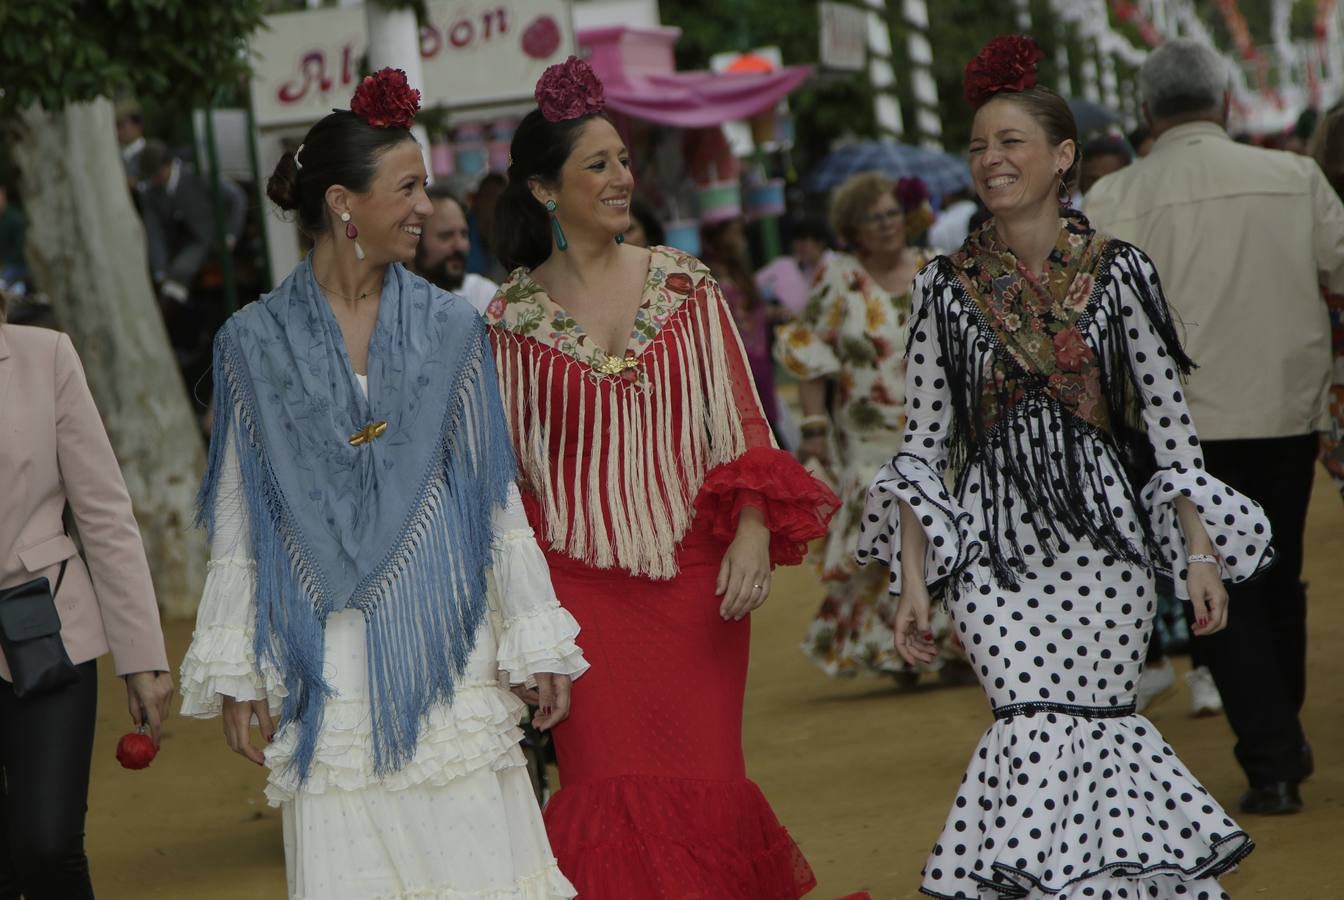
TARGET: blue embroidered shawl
(398,527)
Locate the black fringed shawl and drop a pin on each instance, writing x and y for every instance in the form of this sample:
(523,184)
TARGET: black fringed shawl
(1030,447)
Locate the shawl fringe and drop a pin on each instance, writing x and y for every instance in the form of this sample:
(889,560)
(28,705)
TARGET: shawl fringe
(646,461)
(424,602)
(1036,450)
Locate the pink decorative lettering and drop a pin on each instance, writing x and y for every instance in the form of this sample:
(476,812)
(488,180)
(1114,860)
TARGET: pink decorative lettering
(431,41)
(347,64)
(461,33)
(313,66)
(495,21)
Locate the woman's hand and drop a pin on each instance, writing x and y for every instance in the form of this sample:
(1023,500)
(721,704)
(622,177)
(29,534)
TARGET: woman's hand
(818,448)
(914,637)
(1202,579)
(551,699)
(1208,596)
(148,695)
(238,726)
(744,575)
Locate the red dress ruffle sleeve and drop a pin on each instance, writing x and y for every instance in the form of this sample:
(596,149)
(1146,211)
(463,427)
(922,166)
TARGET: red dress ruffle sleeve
(797,507)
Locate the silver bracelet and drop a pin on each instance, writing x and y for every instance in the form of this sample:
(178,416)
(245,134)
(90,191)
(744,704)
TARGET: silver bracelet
(1201,558)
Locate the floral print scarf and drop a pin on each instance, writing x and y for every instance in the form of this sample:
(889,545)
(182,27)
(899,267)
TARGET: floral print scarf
(1035,319)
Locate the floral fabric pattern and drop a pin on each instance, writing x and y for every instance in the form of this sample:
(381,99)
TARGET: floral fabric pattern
(854,332)
(523,307)
(1036,320)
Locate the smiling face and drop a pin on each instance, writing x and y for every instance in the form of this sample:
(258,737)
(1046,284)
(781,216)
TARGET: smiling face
(392,212)
(1013,162)
(595,186)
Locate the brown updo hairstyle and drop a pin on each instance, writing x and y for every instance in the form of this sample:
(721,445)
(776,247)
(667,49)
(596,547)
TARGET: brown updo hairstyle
(1052,113)
(853,199)
(522,232)
(340,149)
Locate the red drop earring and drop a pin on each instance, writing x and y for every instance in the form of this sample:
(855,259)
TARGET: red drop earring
(352,233)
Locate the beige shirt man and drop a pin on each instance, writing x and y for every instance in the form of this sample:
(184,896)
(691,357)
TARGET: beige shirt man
(1241,237)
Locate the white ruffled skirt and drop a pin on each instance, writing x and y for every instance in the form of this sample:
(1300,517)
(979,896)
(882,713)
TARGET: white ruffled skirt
(459,822)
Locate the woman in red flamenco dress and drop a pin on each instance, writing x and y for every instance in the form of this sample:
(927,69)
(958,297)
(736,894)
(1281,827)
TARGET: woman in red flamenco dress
(653,484)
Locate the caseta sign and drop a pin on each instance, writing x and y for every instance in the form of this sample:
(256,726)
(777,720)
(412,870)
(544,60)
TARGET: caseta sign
(472,52)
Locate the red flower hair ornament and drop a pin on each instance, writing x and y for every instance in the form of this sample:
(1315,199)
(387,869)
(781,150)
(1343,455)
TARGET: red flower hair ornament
(569,90)
(386,99)
(911,192)
(1006,63)
(913,196)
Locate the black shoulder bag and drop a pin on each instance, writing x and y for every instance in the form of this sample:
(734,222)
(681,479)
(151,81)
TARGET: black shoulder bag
(30,633)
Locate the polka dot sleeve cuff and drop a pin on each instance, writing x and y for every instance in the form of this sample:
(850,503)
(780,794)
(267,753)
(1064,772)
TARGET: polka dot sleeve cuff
(1236,524)
(951,545)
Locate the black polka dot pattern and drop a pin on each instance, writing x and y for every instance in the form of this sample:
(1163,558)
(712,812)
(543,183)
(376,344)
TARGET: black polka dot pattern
(1069,793)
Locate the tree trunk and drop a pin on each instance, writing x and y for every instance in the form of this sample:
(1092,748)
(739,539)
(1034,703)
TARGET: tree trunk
(86,250)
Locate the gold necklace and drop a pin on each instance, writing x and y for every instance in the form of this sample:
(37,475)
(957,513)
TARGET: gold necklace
(355,299)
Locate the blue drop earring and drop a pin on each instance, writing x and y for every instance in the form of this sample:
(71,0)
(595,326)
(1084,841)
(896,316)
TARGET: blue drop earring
(556,230)
(620,238)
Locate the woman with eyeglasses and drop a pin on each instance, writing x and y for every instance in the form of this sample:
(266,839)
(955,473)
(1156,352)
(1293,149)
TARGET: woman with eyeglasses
(848,350)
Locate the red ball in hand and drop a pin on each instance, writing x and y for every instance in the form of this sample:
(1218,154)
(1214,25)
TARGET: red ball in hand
(136,751)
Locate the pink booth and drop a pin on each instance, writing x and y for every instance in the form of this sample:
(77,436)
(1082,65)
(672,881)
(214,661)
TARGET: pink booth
(644,89)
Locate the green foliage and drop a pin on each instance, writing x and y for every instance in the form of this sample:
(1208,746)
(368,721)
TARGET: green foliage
(56,52)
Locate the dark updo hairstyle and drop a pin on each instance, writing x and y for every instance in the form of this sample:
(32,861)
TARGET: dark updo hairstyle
(522,233)
(340,149)
(1052,113)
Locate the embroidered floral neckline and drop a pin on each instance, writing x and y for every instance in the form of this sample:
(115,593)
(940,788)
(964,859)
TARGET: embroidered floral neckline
(1035,320)
(523,307)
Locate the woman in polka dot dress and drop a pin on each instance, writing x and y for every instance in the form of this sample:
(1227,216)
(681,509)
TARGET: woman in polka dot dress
(1045,368)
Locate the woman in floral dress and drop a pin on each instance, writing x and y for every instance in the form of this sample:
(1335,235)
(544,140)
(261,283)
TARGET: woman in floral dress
(848,350)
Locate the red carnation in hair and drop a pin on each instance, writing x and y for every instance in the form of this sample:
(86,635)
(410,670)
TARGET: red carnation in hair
(911,192)
(1006,63)
(386,100)
(569,90)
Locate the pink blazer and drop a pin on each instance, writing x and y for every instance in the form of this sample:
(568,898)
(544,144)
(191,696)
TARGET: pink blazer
(53,449)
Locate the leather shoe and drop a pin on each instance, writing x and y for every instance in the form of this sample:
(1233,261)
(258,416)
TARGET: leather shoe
(1277,799)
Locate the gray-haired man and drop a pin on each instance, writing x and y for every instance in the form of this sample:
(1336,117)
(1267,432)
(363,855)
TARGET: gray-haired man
(1243,238)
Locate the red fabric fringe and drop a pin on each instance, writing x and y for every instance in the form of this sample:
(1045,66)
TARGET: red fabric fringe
(797,507)
(638,837)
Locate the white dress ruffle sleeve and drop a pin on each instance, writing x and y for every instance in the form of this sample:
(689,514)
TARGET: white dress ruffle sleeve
(460,820)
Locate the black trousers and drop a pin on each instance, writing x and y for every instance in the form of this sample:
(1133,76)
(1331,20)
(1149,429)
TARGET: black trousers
(1259,661)
(46,746)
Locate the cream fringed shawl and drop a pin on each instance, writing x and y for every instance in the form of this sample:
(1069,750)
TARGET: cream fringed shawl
(614,449)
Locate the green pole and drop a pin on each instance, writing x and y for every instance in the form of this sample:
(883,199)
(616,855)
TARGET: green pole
(217,205)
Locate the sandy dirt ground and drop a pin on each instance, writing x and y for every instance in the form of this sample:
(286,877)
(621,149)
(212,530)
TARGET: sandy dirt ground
(861,772)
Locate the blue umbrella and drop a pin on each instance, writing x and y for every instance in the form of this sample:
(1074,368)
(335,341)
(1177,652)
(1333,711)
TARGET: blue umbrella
(942,172)
(1090,117)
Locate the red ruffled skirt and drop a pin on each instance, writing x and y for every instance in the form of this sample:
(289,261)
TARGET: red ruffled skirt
(654,801)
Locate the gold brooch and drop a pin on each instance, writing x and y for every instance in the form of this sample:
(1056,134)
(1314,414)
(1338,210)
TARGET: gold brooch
(368,433)
(616,365)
